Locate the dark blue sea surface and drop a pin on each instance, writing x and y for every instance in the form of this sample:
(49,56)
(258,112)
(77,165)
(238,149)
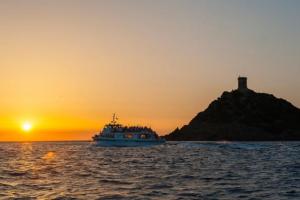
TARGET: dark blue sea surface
(176,170)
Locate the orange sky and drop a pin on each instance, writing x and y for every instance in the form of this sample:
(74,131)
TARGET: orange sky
(67,66)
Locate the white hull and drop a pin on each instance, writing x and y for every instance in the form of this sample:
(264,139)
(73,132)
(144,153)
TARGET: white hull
(128,143)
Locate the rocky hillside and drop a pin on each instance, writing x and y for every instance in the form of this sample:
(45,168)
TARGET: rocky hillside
(243,116)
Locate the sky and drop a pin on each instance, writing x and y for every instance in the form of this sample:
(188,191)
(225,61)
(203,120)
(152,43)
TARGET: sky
(67,65)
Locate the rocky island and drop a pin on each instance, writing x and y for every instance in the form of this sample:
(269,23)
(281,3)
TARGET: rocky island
(243,115)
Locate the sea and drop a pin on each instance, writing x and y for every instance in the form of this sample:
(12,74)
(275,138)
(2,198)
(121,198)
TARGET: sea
(175,170)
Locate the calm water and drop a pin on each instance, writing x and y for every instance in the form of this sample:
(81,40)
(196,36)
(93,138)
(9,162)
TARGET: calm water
(179,170)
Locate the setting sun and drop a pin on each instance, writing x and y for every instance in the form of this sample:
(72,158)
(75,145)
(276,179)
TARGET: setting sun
(26,126)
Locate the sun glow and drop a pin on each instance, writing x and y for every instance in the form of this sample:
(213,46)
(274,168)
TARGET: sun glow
(26,126)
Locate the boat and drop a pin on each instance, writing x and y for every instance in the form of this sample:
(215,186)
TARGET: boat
(117,135)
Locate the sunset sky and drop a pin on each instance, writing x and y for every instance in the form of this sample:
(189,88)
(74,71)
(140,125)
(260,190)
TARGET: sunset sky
(67,66)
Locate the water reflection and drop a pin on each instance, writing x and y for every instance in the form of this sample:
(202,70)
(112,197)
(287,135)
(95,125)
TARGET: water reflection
(49,155)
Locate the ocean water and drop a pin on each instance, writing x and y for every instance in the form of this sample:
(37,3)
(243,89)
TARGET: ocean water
(176,170)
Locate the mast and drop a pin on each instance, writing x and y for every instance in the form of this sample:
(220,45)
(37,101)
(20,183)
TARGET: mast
(114,119)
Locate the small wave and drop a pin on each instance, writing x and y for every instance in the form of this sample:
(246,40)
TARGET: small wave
(189,194)
(160,186)
(64,198)
(16,173)
(119,182)
(6,186)
(188,177)
(113,197)
(83,174)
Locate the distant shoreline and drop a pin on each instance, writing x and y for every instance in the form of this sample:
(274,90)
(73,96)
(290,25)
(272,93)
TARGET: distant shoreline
(46,141)
(208,141)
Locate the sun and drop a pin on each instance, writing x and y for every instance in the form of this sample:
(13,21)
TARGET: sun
(26,126)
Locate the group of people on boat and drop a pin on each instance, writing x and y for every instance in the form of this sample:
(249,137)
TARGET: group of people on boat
(122,129)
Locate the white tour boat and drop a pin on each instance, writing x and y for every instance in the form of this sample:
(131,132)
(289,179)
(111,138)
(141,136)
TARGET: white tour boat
(117,135)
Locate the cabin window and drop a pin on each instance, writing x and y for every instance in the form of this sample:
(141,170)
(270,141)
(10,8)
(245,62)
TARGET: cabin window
(128,136)
(143,136)
(109,135)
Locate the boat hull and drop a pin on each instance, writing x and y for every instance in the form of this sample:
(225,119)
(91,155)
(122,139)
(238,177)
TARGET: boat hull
(128,143)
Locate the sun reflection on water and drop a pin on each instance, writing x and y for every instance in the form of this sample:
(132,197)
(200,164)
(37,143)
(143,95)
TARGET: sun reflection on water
(49,155)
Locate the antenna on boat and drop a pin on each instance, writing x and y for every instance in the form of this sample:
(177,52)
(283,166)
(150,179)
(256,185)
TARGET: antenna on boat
(114,120)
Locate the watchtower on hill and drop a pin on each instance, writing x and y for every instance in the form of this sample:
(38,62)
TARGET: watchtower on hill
(242,83)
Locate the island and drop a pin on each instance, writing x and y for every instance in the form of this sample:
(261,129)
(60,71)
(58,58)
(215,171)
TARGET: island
(243,115)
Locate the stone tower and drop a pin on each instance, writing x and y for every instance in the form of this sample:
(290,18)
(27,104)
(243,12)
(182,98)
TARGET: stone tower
(242,83)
